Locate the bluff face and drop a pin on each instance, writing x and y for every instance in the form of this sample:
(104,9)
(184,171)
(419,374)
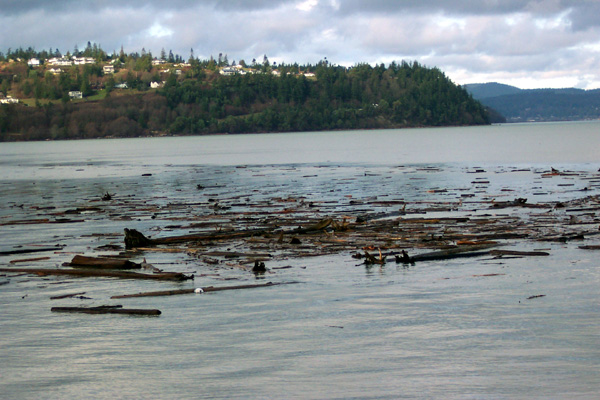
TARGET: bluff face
(204,101)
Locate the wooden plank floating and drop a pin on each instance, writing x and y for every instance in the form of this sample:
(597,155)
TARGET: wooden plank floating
(163,276)
(107,310)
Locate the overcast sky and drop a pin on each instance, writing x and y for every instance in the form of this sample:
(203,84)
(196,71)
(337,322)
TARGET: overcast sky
(529,44)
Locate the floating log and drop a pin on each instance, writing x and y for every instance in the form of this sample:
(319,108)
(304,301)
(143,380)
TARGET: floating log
(25,251)
(458,252)
(520,202)
(102,263)
(134,238)
(196,290)
(106,310)
(501,253)
(65,296)
(24,260)
(590,247)
(537,296)
(164,276)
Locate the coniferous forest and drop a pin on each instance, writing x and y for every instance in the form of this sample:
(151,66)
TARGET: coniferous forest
(143,95)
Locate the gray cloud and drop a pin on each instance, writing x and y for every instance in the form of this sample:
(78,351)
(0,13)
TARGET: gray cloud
(528,43)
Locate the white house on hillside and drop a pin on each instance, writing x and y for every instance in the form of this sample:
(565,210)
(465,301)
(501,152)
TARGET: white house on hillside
(61,62)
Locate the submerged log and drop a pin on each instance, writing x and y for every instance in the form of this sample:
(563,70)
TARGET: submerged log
(106,310)
(94,273)
(196,290)
(102,263)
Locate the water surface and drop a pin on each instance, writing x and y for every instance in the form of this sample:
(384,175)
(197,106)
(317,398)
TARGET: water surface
(437,329)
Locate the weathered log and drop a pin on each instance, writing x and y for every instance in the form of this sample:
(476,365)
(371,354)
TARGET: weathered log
(458,252)
(65,296)
(106,310)
(23,260)
(25,251)
(518,253)
(590,247)
(134,238)
(102,263)
(164,276)
(537,296)
(196,290)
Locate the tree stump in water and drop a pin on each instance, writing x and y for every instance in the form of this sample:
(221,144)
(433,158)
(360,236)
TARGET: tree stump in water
(134,239)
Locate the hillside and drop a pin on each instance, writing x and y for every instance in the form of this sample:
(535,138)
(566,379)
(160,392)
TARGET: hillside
(493,89)
(520,105)
(137,95)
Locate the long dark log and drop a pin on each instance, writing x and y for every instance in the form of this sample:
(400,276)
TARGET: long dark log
(459,252)
(134,238)
(25,251)
(102,263)
(164,276)
(590,247)
(195,290)
(106,310)
(518,253)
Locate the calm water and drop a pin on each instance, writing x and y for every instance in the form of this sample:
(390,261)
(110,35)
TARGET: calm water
(343,332)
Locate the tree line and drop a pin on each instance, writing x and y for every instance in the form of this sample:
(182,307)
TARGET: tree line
(199,100)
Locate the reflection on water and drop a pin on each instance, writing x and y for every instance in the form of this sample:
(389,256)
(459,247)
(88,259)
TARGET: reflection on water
(437,329)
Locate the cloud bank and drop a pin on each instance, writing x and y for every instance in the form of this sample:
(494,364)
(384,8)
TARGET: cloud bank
(529,44)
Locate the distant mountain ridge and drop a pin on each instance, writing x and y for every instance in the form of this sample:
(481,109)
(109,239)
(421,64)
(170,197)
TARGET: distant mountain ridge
(521,105)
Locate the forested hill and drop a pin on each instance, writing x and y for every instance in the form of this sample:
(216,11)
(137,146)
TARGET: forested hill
(521,105)
(204,99)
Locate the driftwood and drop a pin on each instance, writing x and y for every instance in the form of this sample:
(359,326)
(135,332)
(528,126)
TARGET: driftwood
(501,253)
(590,247)
(24,260)
(25,251)
(134,238)
(102,263)
(164,276)
(66,296)
(195,290)
(457,252)
(106,310)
